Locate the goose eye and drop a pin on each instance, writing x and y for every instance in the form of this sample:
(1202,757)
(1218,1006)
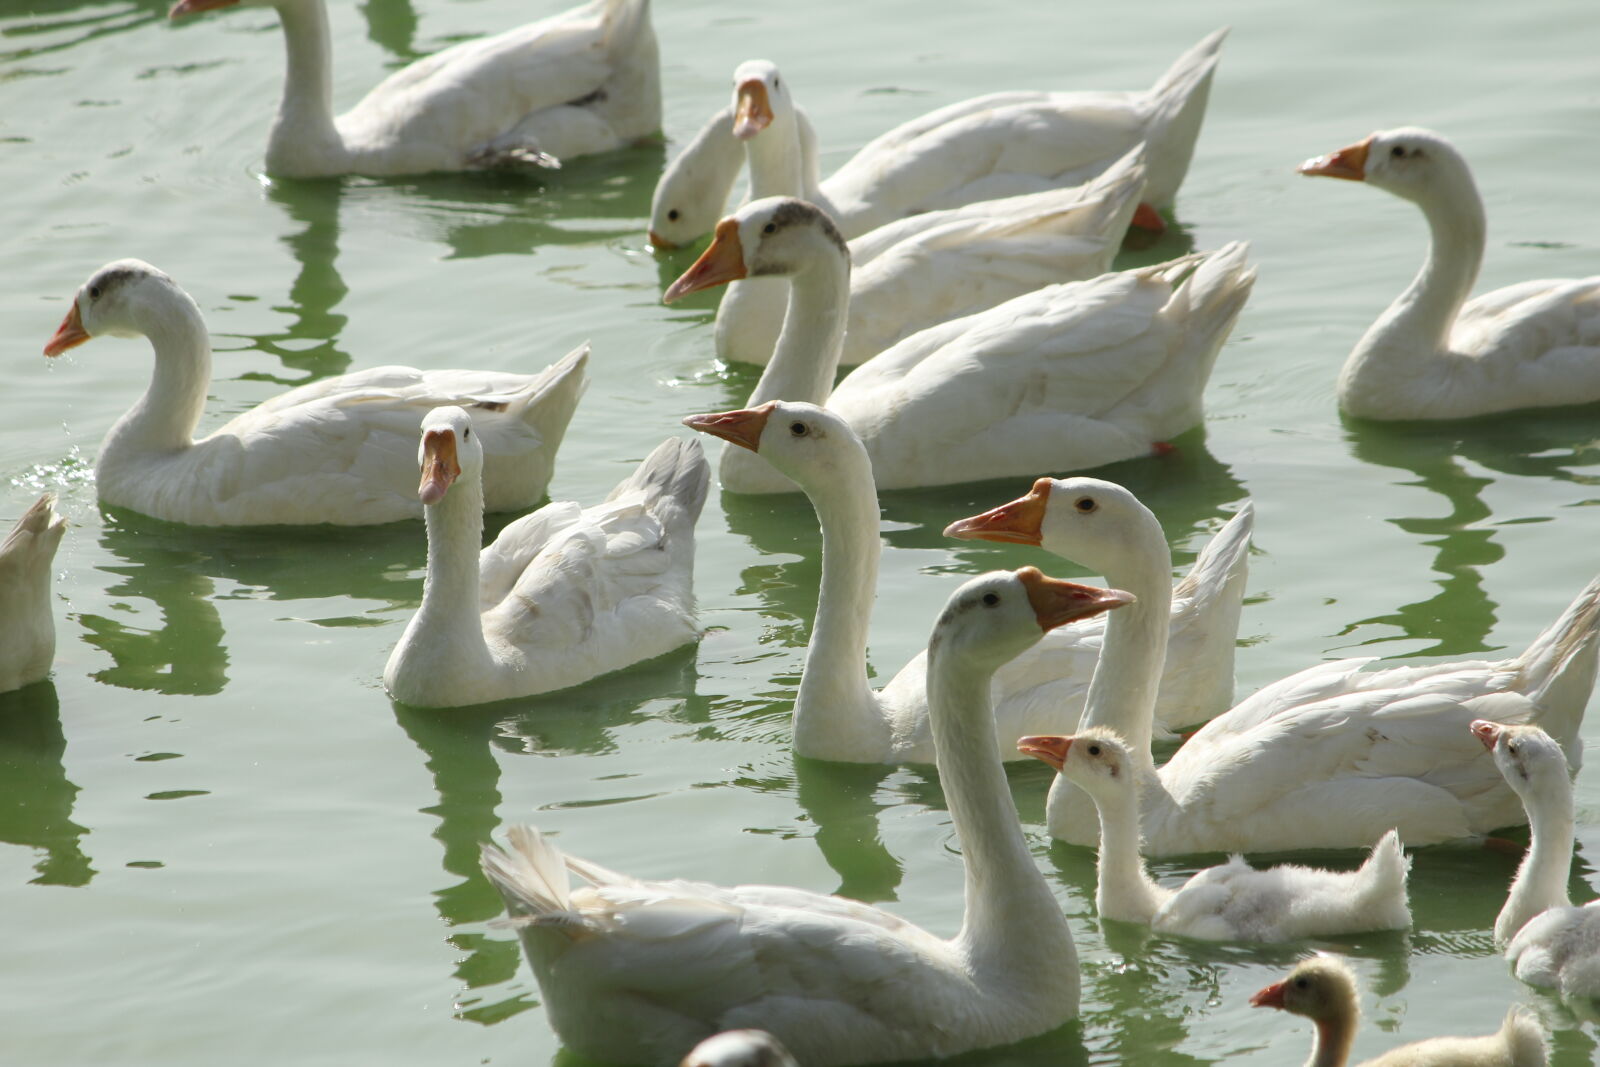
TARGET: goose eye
(1398,152)
(1094,750)
(771,227)
(799,429)
(1085,504)
(94,292)
(991,599)
(466,434)
(1301,983)
(774,83)
(672,216)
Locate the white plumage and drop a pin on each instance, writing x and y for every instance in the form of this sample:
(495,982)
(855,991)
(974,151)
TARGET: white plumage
(27,625)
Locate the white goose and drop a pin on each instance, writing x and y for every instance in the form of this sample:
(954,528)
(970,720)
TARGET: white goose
(1200,616)
(1333,756)
(1435,355)
(1231,902)
(1072,375)
(837,713)
(586,80)
(739,1048)
(940,265)
(336,451)
(562,595)
(638,972)
(27,626)
(1549,942)
(1323,989)
(999,145)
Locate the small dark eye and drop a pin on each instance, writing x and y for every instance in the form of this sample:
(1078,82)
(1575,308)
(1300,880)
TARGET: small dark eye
(1398,152)
(774,83)
(771,227)
(1301,983)
(991,599)
(467,433)
(94,292)
(1094,750)
(799,429)
(1085,504)
(672,216)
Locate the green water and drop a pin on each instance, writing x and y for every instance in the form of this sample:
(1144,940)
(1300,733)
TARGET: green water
(223,844)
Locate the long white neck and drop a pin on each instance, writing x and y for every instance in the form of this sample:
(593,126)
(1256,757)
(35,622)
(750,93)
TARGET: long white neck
(162,422)
(1122,691)
(778,164)
(1541,880)
(1331,1048)
(449,614)
(1124,889)
(836,713)
(1408,338)
(1013,929)
(304,139)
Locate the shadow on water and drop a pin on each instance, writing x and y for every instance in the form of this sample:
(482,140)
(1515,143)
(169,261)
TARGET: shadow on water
(36,803)
(1552,445)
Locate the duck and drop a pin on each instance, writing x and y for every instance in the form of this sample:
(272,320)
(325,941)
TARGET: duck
(739,1048)
(1434,354)
(1103,526)
(1332,756)
(27,627)
(586,80)
(1072,375)
(562,595)
(983,148)
(940,265)
(635,971)
(1230,902)
(1549,943)
(335,451)
(1323,989)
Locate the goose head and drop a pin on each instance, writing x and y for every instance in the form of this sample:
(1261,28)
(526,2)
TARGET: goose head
(1410,162)
(1529,759)
(1095,758)
(124,298)
(811,445)
(449,451)
(995,617)
(1322,988)
(777,235)
(1093,522)
(739,1048)
(689,198)
(760,99)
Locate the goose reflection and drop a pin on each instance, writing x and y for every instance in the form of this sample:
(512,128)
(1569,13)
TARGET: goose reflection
(310,342)
(392,26)
(36,803)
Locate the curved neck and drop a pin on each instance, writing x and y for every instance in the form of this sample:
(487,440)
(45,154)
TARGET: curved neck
(1122,691)
(778,163)
(450,590)
(1334,1038)
(1012,925)
(836,712)
(164,419)
(304,127)
(1124,890)
(1541,880)
(806,356)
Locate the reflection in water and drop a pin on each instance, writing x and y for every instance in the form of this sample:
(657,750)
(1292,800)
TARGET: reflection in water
(310,342)
(840,799)
(392,26)
(1550,445)
(85,27)
(36,802)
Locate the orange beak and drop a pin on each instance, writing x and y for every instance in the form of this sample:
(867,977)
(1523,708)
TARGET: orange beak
(439,466)
(1018,522)
(70,334)
(194,7)
(1270,997)
(1486,732)
(1052,748)
(1349,163)
(723,262)
(1056,603)
(754,111)
(743,428)
(661,243)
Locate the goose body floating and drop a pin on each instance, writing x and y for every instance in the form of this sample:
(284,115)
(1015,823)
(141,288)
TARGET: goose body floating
(27,625)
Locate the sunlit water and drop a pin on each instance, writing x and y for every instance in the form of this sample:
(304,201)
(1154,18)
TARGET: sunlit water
(223,844)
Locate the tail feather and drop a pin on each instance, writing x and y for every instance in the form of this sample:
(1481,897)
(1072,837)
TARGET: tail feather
(1524,1038)
(1207,305)
(37,534)
(547,406)
(1224,564)
(1386,868)
(674,479)
(531,876)
(1180,108)
(1557,671)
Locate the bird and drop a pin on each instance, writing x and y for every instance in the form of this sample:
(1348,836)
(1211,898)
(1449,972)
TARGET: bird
(562,595)
(1323,989)
(636,971)
(1434,354)
(586,80)
(1230,902)
(739,1048)
(335,451)
(27,626)
(1068,376)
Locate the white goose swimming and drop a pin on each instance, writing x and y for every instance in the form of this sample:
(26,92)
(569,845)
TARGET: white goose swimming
(1333,756)
(562,595)
(1231,902)
(987,147)
(1436,355)
(1549,942)
(638,972)
(1072,375)
(27,625)
(586,80)
(339,450)
(1102,526)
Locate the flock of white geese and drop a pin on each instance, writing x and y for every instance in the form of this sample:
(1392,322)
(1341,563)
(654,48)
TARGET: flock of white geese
(960,262)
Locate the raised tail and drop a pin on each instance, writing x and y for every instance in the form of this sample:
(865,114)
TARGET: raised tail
(547,407)
(1557,671)
(1524,1038)
(1205,624)
(36,536)
(1204,308)
(674,479)
(1180,97)
(531,876)
(1383,877)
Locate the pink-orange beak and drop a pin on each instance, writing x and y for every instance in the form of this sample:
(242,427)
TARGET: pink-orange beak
(743,428)
(439,466)
(1271,996)
(70,334)
(1486,732)
(1051,748)
(1349,163)
(1018,522)
(723,262)
(1056,602)
(753,112)
(194,7)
